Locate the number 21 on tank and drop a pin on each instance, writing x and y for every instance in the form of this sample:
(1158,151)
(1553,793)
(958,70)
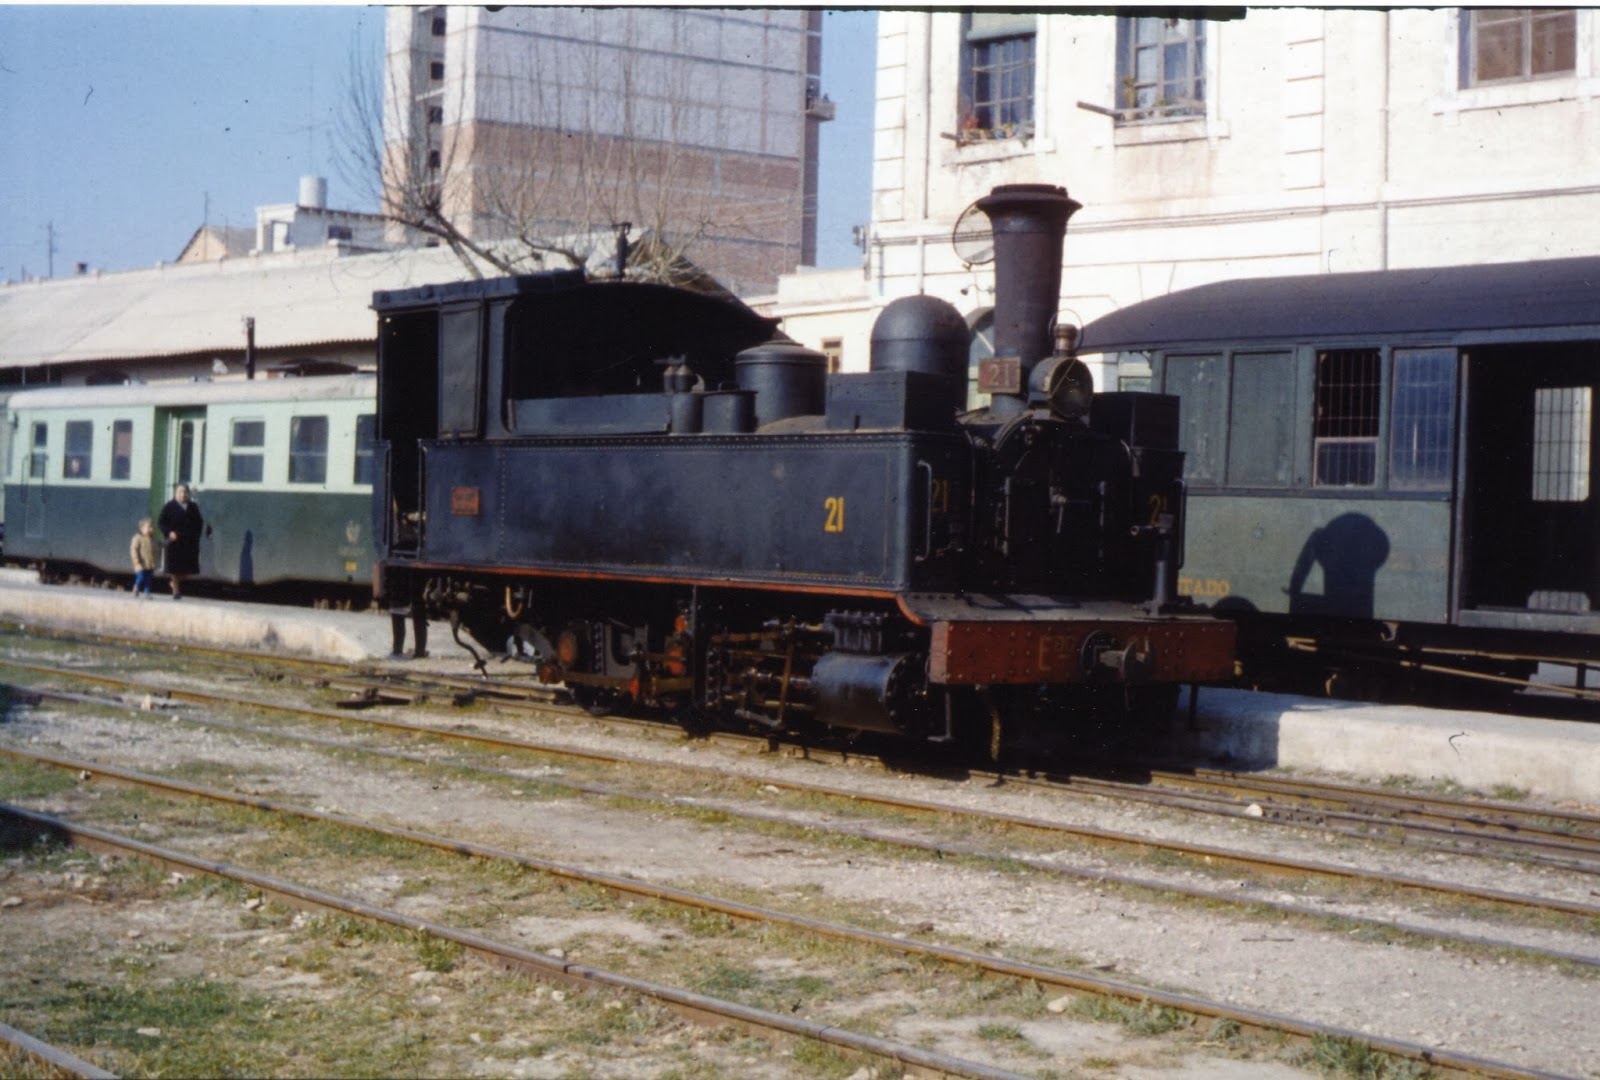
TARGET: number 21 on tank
(833,514)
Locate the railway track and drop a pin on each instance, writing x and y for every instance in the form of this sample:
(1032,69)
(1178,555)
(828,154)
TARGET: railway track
(878,837)
(1540,835)
(51,1059)
(541,966)
(1201,852)
(1519,820)
(585,977)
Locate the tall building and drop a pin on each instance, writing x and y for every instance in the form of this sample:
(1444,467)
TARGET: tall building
(695,124)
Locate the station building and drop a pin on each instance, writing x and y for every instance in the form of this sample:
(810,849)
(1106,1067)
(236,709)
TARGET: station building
(1258,143)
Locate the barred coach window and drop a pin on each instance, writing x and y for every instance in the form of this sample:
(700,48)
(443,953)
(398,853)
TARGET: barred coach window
(1420,449)
(1346,428)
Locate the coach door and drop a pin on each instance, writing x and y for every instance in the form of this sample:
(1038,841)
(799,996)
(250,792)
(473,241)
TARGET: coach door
(179,452)
(1532,513)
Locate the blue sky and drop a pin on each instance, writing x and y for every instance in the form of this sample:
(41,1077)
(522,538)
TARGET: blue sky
(127,127)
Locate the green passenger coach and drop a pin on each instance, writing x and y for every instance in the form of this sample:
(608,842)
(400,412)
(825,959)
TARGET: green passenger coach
(282,470)
(1392,474)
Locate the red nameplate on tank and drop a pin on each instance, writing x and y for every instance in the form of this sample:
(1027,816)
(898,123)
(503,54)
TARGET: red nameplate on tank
(464,501)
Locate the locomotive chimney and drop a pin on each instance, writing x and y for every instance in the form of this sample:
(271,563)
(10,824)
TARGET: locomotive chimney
(1029,223)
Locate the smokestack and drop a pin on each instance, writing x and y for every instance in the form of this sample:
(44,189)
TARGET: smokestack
(1030,224)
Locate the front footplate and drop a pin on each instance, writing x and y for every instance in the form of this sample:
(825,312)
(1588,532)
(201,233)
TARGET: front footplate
(1019,640)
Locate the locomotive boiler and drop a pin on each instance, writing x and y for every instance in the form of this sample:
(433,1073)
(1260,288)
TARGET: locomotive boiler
(653,497)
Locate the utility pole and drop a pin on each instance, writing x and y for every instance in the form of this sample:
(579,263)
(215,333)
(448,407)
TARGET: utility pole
(50,248)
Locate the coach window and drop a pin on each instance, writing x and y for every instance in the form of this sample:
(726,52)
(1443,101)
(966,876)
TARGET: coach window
(1346,429)
(1420,445)
(121,449)
(40,454)
(1201,382)
(308,449)
(247,451)
(79,454)
(1261,437)
(366,430)
(1562,420)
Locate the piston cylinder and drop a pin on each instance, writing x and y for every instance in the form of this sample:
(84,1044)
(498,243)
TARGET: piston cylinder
(864,691)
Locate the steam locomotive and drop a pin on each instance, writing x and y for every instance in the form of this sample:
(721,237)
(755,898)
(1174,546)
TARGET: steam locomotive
(654,498)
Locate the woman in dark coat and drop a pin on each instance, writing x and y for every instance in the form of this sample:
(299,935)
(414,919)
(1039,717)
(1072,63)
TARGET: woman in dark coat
(181,524)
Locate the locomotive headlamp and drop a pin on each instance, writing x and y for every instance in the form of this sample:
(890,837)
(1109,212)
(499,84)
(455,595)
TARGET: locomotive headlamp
(1064,383)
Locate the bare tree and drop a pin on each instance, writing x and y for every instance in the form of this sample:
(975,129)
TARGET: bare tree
(576,145)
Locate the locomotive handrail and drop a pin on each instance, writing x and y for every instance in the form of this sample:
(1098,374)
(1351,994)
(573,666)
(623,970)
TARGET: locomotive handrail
(927,520)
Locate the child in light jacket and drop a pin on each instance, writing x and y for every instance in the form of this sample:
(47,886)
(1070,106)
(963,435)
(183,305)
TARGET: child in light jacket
(142,550)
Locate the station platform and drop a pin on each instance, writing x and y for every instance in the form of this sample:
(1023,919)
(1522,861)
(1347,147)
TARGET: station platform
(1489,753)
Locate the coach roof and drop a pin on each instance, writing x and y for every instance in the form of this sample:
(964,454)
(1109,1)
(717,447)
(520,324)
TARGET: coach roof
(1448,302)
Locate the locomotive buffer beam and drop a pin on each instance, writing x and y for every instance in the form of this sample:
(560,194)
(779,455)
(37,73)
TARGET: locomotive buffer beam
(1023,640)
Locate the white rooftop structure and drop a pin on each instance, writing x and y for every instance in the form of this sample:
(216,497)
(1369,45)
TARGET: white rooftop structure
(307,298)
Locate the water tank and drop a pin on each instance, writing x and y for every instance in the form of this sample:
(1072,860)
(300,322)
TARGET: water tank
(314,192)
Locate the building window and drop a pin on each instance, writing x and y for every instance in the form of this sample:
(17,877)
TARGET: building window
(308,449)
(1161,68)
(1516,44)
(366,434)
(1562,421)
(435,114)
(433,159)
(1420,454)
(997,75)
(246,451)
(121,449)
(80,450)
(438,25)
(436,70)
(1346,429)
(833,349)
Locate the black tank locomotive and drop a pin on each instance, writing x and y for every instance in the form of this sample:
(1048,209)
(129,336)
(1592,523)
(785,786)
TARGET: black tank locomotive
(643,492)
